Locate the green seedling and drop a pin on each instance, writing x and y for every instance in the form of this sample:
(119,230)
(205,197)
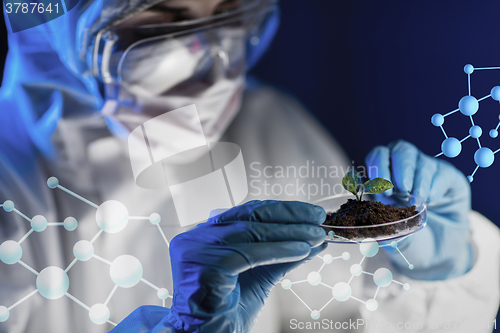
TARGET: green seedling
(352,183)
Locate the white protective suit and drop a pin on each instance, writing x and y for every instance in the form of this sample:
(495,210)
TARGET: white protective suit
(95,165)
(45,80)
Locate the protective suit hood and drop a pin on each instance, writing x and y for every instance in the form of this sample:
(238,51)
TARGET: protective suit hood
(46,75)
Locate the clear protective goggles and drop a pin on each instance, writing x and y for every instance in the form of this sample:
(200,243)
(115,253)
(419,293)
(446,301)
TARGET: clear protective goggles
(184,51)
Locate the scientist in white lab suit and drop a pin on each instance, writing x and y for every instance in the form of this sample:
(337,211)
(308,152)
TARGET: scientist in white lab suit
(75,87)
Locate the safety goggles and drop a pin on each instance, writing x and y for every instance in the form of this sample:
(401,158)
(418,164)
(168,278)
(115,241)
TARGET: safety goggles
(208,41)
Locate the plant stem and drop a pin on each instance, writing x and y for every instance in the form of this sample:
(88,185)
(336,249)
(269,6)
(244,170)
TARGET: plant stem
(357,196)
(361,196)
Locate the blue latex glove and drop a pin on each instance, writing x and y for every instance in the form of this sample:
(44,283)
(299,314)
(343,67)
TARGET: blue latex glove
(443,249)
(223,270)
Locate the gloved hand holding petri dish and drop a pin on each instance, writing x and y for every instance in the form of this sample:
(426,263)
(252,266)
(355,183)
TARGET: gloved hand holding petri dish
(224,269)
(434,194)
(382,218)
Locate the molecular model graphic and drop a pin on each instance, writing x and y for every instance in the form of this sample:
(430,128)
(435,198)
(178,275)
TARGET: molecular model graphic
(126,271)
(342,291)
(53,282)
(468,106)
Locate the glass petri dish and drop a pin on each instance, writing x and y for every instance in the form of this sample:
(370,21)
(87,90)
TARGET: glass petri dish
(379,232)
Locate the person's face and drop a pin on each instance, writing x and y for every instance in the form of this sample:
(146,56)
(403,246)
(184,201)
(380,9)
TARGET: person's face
(170,11)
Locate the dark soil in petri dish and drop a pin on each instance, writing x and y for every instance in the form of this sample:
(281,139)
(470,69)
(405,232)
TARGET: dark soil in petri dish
(356,213)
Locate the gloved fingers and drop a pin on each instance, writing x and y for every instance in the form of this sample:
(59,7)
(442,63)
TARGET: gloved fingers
(448,181)
(238,258)
(274,211)
(425,173)
(270,254)
(253,232)
(241,212)
(314,252)
(378,164)
(404,157)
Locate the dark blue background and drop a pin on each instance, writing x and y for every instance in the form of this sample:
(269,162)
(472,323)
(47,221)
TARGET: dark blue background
(376,71)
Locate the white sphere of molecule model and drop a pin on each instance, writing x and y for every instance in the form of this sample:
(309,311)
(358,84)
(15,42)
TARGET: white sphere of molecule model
(327,259)
(154,218)
(8,206)
(369,247)
(126,271)
(493,133)
(70,223)
(484,157)
(470,178)
(39,223)
(356,270)
(468,69)
(315,314)
(437,120)
(495,93)
(162,293)
(10,252)
(371,305)
(99,313)
(52,282)
(4,314)
(382,277)
(112,216)
(475,131)
(342,291)
(406,286)
(468,105)
(83,250)
(451,147)
(314,278)
(346,256)
(52,182)
(286,284)
(394,244)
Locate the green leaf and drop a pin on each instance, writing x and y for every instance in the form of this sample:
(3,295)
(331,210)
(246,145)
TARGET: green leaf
(351,181)
(377,185)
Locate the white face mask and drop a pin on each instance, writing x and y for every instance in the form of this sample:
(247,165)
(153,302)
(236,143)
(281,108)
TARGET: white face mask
(217,106)
(171,74)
